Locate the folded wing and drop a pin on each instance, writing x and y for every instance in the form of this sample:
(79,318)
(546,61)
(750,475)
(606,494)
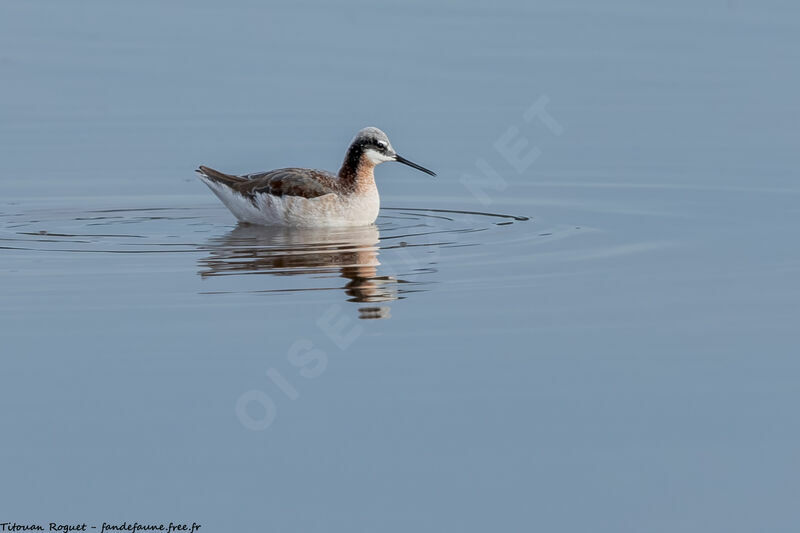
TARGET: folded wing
(300,182)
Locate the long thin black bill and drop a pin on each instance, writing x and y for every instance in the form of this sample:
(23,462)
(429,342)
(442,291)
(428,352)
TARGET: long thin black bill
(413,165)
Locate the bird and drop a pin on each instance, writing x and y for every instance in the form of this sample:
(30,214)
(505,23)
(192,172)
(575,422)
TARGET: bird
(304,197)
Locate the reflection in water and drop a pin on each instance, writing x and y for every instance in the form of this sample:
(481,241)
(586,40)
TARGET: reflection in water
(350,252)
(409,243)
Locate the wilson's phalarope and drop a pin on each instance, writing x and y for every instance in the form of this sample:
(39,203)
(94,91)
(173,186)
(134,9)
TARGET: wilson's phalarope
(311,198)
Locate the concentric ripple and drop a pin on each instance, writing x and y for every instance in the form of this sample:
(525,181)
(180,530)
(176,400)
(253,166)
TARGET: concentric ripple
(376,264)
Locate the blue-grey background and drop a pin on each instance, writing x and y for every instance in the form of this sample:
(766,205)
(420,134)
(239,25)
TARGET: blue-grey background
(638,374)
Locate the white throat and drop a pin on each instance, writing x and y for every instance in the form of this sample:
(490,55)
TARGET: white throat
(376,157)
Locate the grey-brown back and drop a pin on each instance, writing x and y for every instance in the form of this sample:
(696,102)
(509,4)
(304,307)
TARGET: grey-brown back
(301,182)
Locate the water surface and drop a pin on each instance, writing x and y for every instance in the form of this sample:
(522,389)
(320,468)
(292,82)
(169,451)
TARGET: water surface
(617,352)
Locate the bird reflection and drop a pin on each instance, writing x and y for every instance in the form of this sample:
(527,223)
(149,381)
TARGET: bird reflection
(352,253)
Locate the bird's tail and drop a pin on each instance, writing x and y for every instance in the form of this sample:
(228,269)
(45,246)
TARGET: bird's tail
(219,177)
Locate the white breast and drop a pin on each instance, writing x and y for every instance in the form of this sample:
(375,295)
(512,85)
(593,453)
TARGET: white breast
(356,209)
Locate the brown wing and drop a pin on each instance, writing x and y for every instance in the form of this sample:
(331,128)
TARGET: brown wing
(302,182)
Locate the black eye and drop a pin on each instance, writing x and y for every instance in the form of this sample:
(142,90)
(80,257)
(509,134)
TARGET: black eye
(381,144)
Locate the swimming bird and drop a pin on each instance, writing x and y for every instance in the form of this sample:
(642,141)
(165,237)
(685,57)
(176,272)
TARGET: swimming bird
(304,197)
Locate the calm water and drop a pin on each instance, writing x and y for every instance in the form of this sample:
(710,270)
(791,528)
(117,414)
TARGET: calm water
(587,322)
